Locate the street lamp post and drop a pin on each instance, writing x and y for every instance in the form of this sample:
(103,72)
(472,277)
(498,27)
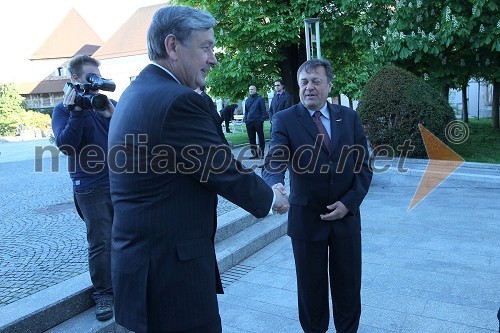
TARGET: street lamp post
(308,23)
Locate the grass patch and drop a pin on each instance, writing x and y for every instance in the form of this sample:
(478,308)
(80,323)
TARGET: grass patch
(242,138)
(483,144)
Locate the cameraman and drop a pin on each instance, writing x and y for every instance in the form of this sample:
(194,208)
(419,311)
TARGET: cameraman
(82,134)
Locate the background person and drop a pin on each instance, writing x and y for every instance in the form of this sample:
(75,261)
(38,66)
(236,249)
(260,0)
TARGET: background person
(254,117)
(281,101)
(324,221)
(75,130)
(165,274)
(213,110)
(228,115)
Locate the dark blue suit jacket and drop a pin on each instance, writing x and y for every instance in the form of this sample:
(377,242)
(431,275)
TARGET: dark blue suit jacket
(164,268)
(319,178)
(279,103)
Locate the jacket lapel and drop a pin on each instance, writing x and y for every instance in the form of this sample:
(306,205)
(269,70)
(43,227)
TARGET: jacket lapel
(306,120)
(336,122)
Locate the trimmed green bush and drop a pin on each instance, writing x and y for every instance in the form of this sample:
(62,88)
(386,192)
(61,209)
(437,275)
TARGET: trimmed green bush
(394,102)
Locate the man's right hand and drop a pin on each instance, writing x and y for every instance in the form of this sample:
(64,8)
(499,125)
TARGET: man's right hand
(69,100)
(281,204)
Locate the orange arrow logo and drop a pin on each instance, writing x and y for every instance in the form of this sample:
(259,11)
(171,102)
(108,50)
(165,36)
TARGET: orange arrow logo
(442,163)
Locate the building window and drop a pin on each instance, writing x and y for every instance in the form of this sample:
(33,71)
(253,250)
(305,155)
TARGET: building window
(62,71)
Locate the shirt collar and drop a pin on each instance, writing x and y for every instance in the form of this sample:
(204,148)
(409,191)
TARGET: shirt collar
(166,70)
(323,110)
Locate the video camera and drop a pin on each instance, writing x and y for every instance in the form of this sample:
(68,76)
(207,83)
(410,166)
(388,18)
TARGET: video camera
(87,100)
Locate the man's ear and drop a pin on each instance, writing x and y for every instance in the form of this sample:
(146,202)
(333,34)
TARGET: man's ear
(171,44)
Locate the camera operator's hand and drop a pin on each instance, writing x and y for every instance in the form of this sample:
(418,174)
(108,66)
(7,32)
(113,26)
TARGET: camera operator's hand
(109,110)
(69,100)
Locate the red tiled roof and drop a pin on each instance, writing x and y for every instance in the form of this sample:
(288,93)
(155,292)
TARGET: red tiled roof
(130,39)
(67,39)
(43,87)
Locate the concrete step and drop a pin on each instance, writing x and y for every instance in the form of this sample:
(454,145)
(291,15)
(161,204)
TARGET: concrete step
(68,306)
(242,245)
(233,249)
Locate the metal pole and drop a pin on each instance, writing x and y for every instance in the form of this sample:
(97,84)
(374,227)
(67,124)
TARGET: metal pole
(478,94)
(308,32)
(318,45)
(308,41)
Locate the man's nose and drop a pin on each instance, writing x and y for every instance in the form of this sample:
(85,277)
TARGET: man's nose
(212,60)
(310,86)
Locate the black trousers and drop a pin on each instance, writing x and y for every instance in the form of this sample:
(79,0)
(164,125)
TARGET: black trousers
(335,261)
(253,129)
(214,326)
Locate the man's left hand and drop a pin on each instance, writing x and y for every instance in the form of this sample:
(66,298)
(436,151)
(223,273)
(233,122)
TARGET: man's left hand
(109,110)
(338,211)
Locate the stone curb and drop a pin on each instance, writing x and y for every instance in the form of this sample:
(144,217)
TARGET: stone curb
(67,306)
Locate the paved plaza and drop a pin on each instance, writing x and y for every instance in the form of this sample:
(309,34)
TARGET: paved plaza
(433,269)
(43,238)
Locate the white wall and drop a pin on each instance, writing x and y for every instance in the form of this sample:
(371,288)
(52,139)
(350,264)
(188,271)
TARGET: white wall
(120,70)
(479,97)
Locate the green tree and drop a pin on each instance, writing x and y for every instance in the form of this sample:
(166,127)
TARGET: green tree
(11,109)
(13,113)
(445,42)
(260,41)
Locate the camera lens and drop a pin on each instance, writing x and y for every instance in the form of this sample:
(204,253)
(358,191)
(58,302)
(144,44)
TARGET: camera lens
(99,102)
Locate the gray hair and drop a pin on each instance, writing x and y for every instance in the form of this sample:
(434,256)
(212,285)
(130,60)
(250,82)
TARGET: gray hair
(309,65)
(180,21)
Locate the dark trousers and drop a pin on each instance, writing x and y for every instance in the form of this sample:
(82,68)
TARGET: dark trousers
(256,128)
(339,259)
(96,209)
(214,326)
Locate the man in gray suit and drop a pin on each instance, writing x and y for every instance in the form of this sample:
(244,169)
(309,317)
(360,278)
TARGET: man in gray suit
(167,166)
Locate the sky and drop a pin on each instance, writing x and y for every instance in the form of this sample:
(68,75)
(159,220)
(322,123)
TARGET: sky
(26,24)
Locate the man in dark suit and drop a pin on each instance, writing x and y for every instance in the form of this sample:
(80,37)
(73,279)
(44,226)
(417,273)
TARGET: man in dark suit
(281,101)
(228,115)
(329,179)
(167,165)
(213,110)
(255,114)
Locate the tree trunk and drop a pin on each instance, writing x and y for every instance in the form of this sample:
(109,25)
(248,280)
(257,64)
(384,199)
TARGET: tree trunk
(446,92)
(350,103)
(465,104)
(295,55)
(495,104)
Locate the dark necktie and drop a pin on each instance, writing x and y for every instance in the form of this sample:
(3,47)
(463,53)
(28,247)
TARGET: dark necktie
(322,129)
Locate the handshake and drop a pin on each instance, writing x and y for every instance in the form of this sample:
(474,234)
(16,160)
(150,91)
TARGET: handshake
(281,204)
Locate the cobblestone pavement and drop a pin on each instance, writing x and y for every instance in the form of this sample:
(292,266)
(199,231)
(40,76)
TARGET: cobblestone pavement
(43,240)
